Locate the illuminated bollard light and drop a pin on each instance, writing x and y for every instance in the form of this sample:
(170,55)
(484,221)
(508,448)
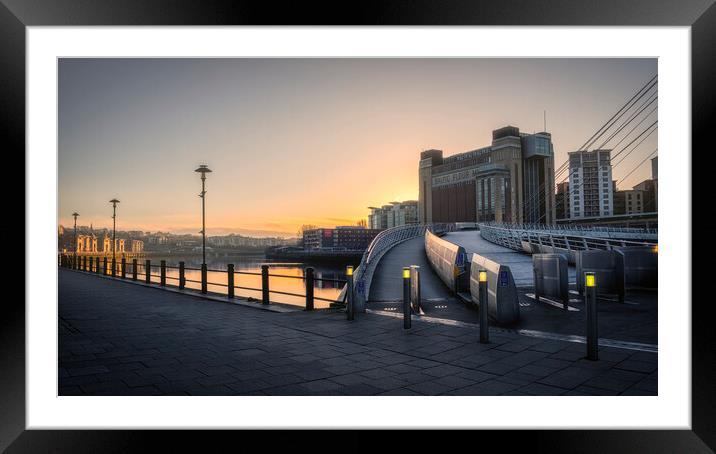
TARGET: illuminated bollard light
(350,314)
(590,303)
(406,297)
(484,311)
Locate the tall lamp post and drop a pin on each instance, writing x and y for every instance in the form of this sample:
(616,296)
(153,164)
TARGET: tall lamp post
(114,203)
(203,170)
(75,214)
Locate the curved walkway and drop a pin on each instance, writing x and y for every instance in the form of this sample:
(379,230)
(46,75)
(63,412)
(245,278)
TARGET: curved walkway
(386,291)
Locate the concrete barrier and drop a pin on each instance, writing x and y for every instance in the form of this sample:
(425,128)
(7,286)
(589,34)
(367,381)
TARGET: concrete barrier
(608,267)
(640,265)
(447,259)
(551,277)
(502,300)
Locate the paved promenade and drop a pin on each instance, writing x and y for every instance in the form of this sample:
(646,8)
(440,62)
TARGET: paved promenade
(118,338)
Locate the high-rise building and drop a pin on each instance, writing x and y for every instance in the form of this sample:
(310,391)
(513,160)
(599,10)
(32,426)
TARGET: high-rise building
(562,200)
(590,184)
(511,180)
(393,215)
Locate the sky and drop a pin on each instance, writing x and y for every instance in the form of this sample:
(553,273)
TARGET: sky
(305,141)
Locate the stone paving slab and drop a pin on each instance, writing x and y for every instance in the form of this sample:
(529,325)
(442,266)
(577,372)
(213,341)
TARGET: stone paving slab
(116,338)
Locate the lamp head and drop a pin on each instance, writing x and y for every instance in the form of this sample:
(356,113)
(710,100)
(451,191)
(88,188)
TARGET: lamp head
(114,201)
(203,170)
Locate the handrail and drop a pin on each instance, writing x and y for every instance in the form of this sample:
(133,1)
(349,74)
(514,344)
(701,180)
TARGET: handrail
(73,262)
(523,239)
(383,242)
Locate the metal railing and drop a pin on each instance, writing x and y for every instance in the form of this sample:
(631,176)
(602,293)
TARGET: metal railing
(569,229)
(382,243)
(147,272)
(529,240)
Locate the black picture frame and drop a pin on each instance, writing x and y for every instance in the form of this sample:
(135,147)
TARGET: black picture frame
(16,15)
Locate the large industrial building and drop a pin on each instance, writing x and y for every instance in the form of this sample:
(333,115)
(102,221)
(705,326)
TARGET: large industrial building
(512,180)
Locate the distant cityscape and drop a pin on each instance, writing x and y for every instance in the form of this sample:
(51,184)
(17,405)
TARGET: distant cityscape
(99,241)
(511,181)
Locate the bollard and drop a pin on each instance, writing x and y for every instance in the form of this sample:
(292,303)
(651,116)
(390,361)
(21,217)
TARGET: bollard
(114,267)
(104,265)
(406,297)
(148,271)
(134,269)
(415,288)
(350,301)
(163,273)
(96,265)
(123,268)
(484,311)
(84,263)
(264,284)
(230,279)
(590,303)
(309,289)
(182,278)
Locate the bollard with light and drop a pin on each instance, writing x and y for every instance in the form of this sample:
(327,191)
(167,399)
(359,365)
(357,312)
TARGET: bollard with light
(406,297)
(484,311)
(350,314)
(590,303)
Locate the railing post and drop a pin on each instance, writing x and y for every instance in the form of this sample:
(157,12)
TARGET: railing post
(590,303)
(84,263)
(182,278)
(114,266)
(163,273)
(350,297)
(104,265)
(204,285)
(134,269)
(484,307)
(230,279)
(96,265)
(406,297)
(309,289)
(123,268)
(264,284)
(148,271)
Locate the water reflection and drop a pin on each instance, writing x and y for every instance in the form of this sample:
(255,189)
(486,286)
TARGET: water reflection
(284,277)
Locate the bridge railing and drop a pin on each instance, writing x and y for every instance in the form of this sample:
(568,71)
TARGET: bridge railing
(185,277)
(382,243)
(569,229)
(546,241)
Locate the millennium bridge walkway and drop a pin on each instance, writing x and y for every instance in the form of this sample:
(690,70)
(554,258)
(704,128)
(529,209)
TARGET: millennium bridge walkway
(122,336)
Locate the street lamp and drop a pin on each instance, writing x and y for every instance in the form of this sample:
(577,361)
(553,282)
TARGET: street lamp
(114,203)
(75,214)
(203,170)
